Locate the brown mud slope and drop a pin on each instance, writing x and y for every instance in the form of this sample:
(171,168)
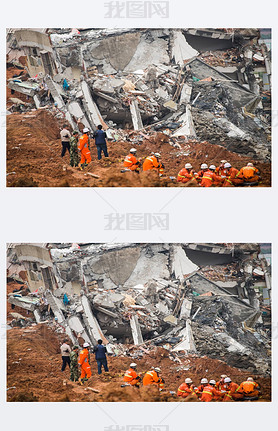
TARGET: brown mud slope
(34,148)
(34,372)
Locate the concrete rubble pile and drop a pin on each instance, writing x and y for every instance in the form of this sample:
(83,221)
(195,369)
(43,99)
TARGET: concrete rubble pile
(137,297)
(190,84)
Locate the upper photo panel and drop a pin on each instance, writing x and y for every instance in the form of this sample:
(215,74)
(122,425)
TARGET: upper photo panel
(139,107)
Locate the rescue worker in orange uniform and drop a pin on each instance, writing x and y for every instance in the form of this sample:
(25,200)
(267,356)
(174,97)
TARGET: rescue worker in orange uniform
(212,168)
(249,388)
(249,173)
(186,389)
(131,162)
(153,162)
(202,171)
(200,388)
(186,174)
(232,178)
(209,178)
(231,389)
(152,377)
(220,386)
(220,170)
(210,393)
(83,147)
(131,377)
(83,362)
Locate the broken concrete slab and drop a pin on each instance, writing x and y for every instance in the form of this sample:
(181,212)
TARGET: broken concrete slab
(187,129)
(94,327)
(76,110)
(135,115)
(185,310)
(136,330)
(181,265)
(171,319)
(91,108)
(181,50)
(187,342)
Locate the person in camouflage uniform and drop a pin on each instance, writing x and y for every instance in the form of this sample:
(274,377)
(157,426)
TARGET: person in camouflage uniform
(74,371)
(74,158)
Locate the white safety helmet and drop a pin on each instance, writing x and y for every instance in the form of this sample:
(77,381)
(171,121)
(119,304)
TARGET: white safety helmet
(86,345)
(212,167)
(133,365)
(188,380)
(227,380)
(250,164)
(203,381)
(157,154)
(86,130)
(157,369)
(204,166)
(223,376)
(223,161)
(132,150)
(250,379)
(212,382)
(227,165)
(188,166)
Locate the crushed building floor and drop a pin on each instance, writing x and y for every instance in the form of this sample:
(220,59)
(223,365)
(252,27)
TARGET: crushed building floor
(161,95)
(159,301)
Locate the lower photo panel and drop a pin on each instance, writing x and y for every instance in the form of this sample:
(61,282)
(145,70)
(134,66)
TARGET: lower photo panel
(150,322)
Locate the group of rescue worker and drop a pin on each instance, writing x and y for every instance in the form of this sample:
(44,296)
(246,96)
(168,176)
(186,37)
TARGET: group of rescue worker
(208,176)
(207,391)
(222,176)
(79,147)
(223,390)
(80,361)
(152,162)
(152,377)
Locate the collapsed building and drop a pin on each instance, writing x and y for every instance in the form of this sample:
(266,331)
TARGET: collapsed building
(190,84)
(136,296)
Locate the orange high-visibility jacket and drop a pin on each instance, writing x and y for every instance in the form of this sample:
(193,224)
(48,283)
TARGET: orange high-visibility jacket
(185,175)
(247,387)
(150,162)
(130,376)
(209,178)
(199,390)
(221,171)
(185,390)
(84,358)
(84,143)
(230,390)
(210,393)
(151,378)
(248,172)
(221,386)
(130,162)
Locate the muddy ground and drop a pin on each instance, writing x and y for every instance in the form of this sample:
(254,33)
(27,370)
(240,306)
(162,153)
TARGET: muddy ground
(34,372)
(34,148)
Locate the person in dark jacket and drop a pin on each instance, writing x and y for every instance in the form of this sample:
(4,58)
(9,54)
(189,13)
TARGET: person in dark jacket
(100,354)
(100,141)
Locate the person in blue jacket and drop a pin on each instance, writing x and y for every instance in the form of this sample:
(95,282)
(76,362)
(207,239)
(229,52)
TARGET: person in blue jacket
(100,141)
(100,355)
